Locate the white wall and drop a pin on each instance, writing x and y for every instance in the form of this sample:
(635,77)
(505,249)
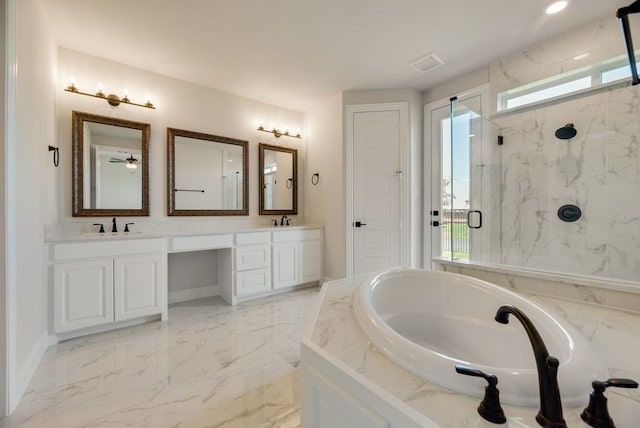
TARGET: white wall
(457,86)
(28,171)
(325,202)
(180,105)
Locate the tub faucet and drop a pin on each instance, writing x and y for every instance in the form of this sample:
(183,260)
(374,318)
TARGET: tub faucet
(282,223)
(550,414)
(114,228)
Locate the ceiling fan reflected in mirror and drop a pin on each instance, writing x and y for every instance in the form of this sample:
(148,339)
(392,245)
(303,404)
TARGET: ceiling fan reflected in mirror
(130,162)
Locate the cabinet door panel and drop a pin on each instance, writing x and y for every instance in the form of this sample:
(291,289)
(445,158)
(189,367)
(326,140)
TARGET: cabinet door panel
(310,261)
(83,294)
(138,286)
(285,265)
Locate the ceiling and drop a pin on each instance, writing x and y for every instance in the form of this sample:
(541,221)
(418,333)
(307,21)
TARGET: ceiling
(292,52)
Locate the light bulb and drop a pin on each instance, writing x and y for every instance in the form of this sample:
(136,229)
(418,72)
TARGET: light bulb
(556,7)
(131,165)
(72,84)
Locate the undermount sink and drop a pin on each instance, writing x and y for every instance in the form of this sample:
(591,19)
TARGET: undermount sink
(429,321)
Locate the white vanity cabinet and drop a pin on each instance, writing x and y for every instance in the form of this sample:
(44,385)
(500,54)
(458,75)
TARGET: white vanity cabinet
(96,283)
(252,263)
(297,257)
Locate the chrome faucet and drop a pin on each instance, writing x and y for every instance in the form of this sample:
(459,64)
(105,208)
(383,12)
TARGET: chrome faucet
(282,223)
(550,414)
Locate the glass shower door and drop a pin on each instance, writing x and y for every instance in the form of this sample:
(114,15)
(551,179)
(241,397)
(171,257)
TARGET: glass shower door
(457,131)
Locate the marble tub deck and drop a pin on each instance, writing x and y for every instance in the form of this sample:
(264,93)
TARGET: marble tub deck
(210,365)
(613,333)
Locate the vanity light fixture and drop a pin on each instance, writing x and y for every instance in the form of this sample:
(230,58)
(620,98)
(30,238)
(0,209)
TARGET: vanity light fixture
(275,131)
(112,99)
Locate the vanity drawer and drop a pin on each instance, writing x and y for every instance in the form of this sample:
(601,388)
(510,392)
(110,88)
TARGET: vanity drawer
(253,257)
(206,242)
(253,281)
(296,235)
(252,238)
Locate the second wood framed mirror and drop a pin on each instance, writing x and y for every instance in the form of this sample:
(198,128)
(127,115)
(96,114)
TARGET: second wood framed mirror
(207,174)
(278,180)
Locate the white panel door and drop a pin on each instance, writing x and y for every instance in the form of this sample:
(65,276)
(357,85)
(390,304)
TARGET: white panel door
(138,286)
(376,191)
(285,264)
(83,294)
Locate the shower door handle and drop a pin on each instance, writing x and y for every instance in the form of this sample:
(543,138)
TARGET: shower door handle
(479,219)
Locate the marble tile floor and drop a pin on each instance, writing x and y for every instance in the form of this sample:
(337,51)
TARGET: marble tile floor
(210,365)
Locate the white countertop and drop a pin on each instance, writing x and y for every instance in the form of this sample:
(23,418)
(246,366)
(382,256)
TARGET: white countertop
(81,236)
(613,333)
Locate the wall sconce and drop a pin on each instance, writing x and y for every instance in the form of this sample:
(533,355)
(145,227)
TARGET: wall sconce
(112,99)
(275,131)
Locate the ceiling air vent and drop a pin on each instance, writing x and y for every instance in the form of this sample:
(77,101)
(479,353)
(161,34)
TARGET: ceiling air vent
(427,63)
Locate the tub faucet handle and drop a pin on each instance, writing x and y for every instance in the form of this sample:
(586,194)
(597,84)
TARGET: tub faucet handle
(596,414)
(490,408)
(101,227)
(126,227)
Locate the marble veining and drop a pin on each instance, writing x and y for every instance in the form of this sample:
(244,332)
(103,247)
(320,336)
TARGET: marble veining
(210,365)
(614,333)
(597,170)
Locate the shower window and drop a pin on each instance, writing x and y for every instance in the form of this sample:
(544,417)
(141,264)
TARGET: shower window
(591,76)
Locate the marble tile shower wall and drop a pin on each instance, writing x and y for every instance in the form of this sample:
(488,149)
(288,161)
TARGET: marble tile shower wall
(598,170)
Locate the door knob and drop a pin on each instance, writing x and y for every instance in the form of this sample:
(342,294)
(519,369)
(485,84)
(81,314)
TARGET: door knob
(359,224)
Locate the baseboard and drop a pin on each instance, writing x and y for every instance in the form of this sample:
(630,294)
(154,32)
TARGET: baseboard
(193,293)
(28,369)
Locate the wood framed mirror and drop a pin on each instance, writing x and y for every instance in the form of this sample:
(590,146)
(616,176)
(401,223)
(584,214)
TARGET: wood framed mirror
(207,174)
(278,184)
(110,168)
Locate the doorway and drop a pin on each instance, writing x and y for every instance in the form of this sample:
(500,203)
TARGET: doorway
(377,223)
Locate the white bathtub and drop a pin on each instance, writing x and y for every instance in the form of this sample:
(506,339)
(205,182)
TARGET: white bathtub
(429,321)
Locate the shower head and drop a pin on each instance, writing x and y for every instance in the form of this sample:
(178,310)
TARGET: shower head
(566,132)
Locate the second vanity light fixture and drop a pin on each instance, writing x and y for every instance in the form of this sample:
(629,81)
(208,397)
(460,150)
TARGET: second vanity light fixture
(112,99)
(275,131)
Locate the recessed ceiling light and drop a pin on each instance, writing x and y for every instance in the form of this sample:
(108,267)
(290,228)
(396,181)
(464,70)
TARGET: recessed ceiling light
(556,7)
